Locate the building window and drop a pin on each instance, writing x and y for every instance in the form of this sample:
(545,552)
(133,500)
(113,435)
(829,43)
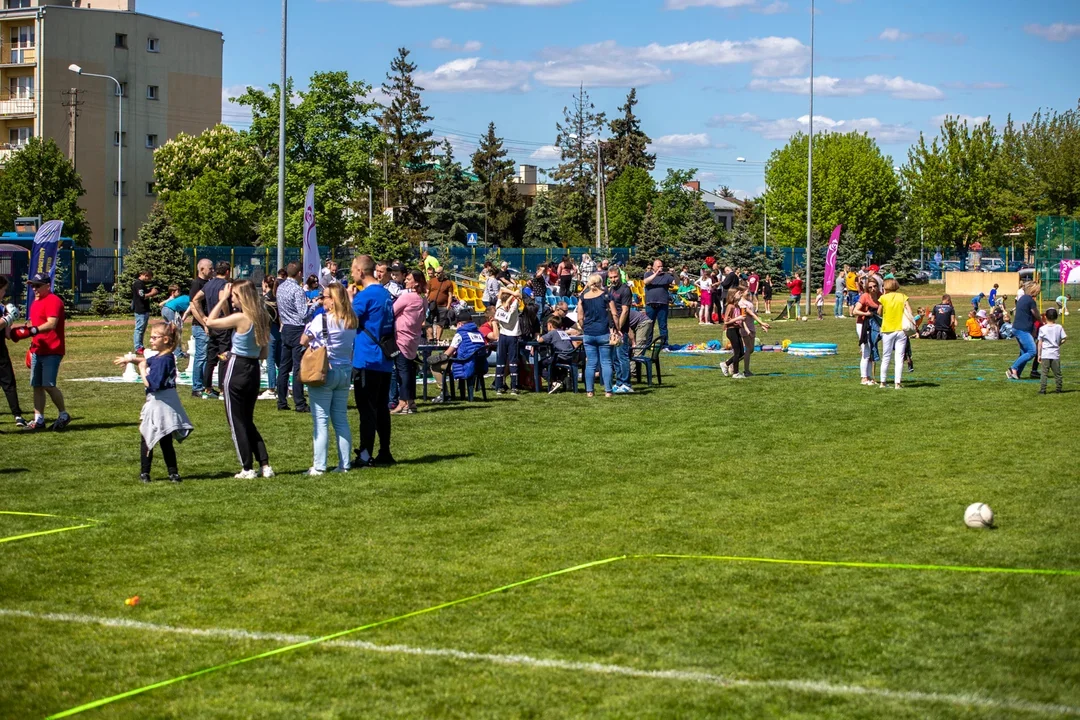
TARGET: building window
(122,90)
(114,186)
(151,141)
(117,137)
(16,4)
(152,92)
(20,136)
(153,45)
(121,40)
(21,88)
(150,189)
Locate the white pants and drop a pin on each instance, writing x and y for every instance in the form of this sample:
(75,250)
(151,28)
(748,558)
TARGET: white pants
(894,343)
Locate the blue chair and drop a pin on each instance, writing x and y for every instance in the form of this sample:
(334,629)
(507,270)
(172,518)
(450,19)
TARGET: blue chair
(648,357)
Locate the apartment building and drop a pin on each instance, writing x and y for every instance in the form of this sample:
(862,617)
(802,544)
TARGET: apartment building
(170,75)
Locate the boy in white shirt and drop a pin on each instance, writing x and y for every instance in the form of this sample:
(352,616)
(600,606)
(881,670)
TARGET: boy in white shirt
(1048,349)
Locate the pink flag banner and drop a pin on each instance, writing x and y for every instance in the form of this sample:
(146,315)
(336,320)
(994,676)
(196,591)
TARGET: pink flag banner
(1070,272)
(830,260)
(311,244)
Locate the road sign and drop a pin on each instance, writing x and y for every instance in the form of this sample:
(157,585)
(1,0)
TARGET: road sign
(472,238)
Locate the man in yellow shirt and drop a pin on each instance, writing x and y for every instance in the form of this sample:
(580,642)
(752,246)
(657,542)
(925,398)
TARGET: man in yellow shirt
(851,284)
(430,262)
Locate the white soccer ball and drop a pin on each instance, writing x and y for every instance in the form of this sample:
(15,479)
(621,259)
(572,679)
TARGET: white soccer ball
(979,515)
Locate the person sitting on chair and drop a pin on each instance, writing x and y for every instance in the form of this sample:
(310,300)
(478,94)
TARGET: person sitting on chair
(468,346)
(563,351)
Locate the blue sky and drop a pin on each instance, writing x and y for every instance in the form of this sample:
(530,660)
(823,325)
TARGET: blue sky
(716,79)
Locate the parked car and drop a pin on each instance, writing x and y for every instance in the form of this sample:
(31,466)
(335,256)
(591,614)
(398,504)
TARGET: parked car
(992,265)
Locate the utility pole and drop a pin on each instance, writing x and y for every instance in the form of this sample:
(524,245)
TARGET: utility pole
(810,162)
(72,104)
(282,107)
(599,172)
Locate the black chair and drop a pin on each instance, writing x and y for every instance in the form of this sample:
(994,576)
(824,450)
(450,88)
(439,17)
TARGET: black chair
(466,386)
(648,357)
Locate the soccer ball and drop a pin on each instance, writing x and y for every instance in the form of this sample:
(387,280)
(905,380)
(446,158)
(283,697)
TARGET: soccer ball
(979,515)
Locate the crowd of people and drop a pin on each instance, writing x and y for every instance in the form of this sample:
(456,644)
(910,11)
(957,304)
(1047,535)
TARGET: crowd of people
(322,336)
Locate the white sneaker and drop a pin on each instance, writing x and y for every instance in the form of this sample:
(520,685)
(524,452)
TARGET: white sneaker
(340,470)
(314,472)
(267,471)
(724,369)
(555,386)
(738,376)
(628,389)
(268,395)
(246,475)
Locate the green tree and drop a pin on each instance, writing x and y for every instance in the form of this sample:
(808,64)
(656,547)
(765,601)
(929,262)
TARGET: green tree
(331,138)
(542,223)
(628,197)
(39,181)
(156,250)
(495,173)
(213,187)
(628,146)
(409,145)
(386,241)
(699,235)
(1051,150)
(100,302)
(450,216)
(650,245)
(952,184)
(576,139)
(674,204)
(854,186)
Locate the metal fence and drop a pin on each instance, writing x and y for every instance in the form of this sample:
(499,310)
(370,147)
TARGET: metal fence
(1056,239)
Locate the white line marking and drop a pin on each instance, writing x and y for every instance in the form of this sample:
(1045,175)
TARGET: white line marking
(817,687)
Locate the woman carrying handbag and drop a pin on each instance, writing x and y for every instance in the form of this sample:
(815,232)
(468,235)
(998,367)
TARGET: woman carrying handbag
(327,371)
(599,322)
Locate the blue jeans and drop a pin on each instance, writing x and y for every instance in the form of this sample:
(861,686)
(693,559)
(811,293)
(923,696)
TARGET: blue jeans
(273,356)
(141,319)
(329,403)
(1027,349)
(198,363)
(291,352)
(597,350)
(657,315)
(622,361)
(838,308)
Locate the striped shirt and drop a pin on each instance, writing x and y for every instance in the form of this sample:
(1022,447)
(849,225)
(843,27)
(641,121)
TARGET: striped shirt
(292,303)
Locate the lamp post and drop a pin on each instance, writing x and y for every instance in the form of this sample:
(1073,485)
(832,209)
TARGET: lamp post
(765,200)
(810,162)
(281,137)
(119,160)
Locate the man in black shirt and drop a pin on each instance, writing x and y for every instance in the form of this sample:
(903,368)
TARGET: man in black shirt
(945,319)
(623,297)
(140,305)
(203,271)
(219,341)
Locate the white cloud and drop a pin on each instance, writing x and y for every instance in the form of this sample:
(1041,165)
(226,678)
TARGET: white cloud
(896,87)
(600,74)
(1058,32)
(681,143)
(378,96)
(683,4)
(784,128)
(769,56)
(469,46)
(476,75)
(898,35)
(774,8)
(548,152)
(231,113)
(971,120)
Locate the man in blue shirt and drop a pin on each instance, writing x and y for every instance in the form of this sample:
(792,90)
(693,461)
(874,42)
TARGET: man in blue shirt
(374,308)
(657,282)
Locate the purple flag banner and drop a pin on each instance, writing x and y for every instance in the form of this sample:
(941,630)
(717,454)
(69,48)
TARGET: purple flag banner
(43,254)
(311,244)
(1070,273)
(830,261)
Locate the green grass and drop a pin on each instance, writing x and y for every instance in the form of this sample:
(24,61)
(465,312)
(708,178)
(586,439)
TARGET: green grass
(798,462)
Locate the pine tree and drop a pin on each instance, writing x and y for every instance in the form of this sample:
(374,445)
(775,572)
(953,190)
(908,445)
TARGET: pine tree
(698,239)
(156,249)
(100,302)
(386,241)
(628,145)
(542,223)
(650,246)
(577,136)
(741,251)
(450,217)
(495,173)
(409,146)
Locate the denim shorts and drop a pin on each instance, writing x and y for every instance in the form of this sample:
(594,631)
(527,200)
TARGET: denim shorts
(44,369)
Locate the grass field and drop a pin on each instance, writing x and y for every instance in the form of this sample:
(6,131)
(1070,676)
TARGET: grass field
(799,462)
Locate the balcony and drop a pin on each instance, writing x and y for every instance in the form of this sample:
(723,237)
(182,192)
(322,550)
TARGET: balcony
(14,105)
(6,151)
(17,54)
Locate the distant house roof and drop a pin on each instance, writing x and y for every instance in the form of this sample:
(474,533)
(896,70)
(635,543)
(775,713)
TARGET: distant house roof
(719,203)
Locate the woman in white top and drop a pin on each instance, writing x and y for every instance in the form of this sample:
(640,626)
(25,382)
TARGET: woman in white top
(506,353)
(704,284)
(336,331)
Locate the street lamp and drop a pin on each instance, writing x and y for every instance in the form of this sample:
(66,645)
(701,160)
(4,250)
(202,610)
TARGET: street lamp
(765,199)
(119,160)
